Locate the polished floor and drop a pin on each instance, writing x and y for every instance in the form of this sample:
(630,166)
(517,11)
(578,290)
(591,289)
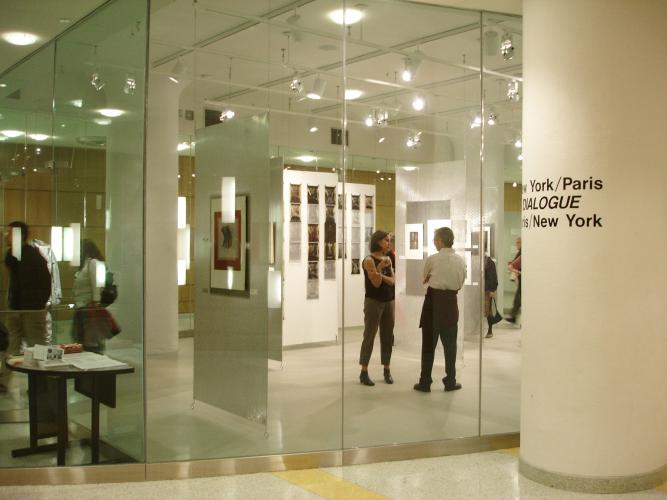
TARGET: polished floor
(479,475)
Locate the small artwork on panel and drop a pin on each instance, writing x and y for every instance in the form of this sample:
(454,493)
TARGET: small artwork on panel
(295,212)
(369,202)
(330,251)
(355,217)
(313,252)
(329,196)
(340,202)
(313,233)
(330,212)
(228,247)
(295,193)
(329,230)
(355,202)
(295,252)
(355,266)
(227,244)
(414,240)
(313,270)
(313,214)
(313,195)
(313,290)
(369,233)
(330,270)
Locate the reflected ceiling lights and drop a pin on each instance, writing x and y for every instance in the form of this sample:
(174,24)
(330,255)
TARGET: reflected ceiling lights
(520,157)
(409,168)
(518,144)
(306,158)
(227,114)
(312,128)
(414,140)
(20,38)
(177,71)
(96,81)
(352,94)
(411,64)
(378,118)
(513,91)
(11,133)
(102,121)
(507,47)
(3,85)
(317,91)
(492,119)
(381,140)
(418,103)
(38,137)
(130,85)
(111,112)
(77,103)
(476,122)
(296,86)
(347,16)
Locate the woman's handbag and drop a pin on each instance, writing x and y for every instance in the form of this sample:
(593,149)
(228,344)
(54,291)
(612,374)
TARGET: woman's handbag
(494,318)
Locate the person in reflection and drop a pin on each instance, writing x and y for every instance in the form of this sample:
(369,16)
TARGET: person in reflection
(29,291)
(444,273)
(514,268)
(378,306)
(87,328)
(490,287)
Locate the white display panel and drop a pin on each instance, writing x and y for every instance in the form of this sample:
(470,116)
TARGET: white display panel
(431,226)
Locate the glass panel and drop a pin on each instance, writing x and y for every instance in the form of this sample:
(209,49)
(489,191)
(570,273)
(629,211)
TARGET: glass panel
(259,351)
(503,86)
(412,167)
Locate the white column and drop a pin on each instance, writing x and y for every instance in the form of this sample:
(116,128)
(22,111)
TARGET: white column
(161,209)
(594,381)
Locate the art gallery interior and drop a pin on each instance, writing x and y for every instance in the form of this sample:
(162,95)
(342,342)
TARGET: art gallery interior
(233,194)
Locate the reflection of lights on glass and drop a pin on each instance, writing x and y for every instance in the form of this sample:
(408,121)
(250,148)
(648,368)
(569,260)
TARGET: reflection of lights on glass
(38,137)
(57,242)
(476,122)
(296,85)
(306,158)
(130,85)
(11,133)
(507,47)
(228,199)
(520,157)
(418,103)
(368,121)
(514,184)
(352,94)
(111,112)
(518,144)
(96,81)
(492,119)
(20,38)
(414,140)
(513,91)
(347,16)
(227,114)
(381,140)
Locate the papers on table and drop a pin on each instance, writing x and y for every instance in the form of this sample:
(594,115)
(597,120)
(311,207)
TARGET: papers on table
(91,361)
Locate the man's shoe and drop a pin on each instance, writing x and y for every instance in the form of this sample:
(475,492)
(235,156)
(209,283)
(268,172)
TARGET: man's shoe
(510,319)
(365,379)
(387,376)
(454,387)
(488,335)
(422,388)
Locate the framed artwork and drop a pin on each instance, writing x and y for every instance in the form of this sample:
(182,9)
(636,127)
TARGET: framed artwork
(414,241)
(229,247)
(431,226)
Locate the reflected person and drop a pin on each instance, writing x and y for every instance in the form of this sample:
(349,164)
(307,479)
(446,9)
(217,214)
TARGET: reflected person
(444,273)
(378,306)
(87,328)
(514,267)
(29,291)
(490,289)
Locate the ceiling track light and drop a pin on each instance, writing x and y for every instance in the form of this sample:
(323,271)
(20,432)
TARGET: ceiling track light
(414,140)
(418,103)
(296,85)
(518,143)
(377,118)
(312,127)
(492,119)
(476,122)
(507,46)
(410,66)
(130,85)
(96,80)
(227,114)
(317,90)
(513,91)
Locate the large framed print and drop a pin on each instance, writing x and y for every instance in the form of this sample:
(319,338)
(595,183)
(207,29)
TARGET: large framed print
(414,241)
(229,247)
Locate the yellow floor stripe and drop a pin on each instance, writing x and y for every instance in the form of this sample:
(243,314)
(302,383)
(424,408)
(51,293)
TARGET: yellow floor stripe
(514,452)
(327,485)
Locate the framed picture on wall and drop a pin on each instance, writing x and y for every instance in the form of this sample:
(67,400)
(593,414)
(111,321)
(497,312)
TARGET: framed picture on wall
(414,241)
(229,247)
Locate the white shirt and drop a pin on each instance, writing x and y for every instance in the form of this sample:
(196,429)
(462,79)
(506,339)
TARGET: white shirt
(445,270)
(86,289)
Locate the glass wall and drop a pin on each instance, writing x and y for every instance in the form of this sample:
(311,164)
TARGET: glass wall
(280,138)
(71,167)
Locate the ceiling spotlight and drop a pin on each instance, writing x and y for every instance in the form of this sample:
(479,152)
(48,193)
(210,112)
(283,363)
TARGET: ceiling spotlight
(3,85)
(182,146)
(411,64)
(77,103)
(227,114)
(369,121)
(306,158)
(293,20)
(520,157)
(513,91)
(418,103)
(352,94)
(296,86)
(317,90)
(177,71)
(38,137)
(19,38)
(110,112)
(518,144)
(377,171)
(381,140)
(476,122)
(492,119)
(347,16)
(382,117)
(11,133)
(96,81)
(102,121)
(507,47)
(414,140)
(514,184)
(130,85)
(312,128)
(409,168)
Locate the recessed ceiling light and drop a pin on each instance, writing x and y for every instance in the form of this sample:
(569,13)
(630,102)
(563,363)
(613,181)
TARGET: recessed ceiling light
(348,16)
(3,85)
(352,94)
(418,103)
(306,158)
(409,168)
(102,121)
(38,137)
(381,140)
(182,146)
(518,144)
(110,112)
(20,38)
(11,133)
(77,103)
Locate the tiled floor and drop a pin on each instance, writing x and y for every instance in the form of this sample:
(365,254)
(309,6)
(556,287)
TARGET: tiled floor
(479,475)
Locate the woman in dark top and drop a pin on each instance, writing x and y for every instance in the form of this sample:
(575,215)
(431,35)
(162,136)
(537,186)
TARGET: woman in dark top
(378,306)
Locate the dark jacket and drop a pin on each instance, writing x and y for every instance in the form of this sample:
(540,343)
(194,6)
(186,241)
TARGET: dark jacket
(29,279)
(440,310)
(490,275)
